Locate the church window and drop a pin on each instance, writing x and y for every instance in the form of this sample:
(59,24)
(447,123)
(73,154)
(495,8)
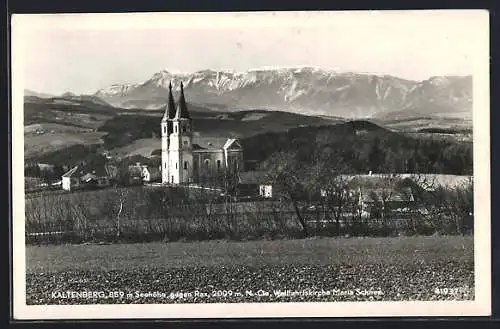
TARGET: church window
(218,164)
(207,163)
(175,129)
(185,165)
(176,165)
(186,142)
(164,129)
(183,129)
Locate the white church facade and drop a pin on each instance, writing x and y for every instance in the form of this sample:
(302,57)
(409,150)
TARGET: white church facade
(193,159)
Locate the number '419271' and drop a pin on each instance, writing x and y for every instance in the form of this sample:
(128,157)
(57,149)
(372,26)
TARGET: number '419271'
(449,291)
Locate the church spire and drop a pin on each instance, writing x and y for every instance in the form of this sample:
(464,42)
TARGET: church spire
(170,107)
(182,111)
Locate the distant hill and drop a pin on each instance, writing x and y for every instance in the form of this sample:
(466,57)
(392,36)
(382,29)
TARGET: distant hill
(125,128)
(28,92)
(303,90)
(362,146)
(61,124)
(79,112)
(66,98)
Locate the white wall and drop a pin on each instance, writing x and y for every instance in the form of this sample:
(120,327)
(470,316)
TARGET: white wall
(266,191)
(66,183)
(164,153)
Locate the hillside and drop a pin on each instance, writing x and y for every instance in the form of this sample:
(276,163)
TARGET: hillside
(123,129)
(304,90)
(83,111)
(361,146)
(52,126)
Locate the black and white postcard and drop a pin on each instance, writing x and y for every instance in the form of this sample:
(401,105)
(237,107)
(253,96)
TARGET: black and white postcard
(260,164)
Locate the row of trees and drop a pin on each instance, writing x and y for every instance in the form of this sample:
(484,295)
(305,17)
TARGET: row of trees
(48,175)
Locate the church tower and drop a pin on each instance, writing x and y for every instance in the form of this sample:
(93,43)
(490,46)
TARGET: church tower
(166,130)
(180,155)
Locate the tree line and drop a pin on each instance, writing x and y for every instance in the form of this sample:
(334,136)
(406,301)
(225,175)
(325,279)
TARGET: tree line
(48,175)
(364,146)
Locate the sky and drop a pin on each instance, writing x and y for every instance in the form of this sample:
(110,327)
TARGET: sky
(83,53)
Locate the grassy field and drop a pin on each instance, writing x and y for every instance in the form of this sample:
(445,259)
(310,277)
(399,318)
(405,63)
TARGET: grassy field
(409,268)
(143,146)
(37,145)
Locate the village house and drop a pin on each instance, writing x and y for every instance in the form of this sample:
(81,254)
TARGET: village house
(373,201)
(135,174)
(71,179)
(258,184)
(80,177)
(151,174)
(141,173)
(378,193)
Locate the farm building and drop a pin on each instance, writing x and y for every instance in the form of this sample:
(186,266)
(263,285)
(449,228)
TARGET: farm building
(372,201)
(258,182)
(140,173)
(135,174)
(71,179)
(80,177)
(376,192)
(151,174)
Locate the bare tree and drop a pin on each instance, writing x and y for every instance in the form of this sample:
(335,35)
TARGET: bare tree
(445,209)
(382,194)
(286,173)
(119,201)
(451,209)
(325,176)
(226,182)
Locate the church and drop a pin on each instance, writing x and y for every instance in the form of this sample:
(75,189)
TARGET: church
(187,158)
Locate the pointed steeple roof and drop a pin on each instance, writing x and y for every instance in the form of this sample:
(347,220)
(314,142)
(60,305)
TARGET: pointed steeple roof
(170,107)
(182,111)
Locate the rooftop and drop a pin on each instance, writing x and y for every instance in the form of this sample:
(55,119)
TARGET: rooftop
(80,171)
(253,177)
(209,143)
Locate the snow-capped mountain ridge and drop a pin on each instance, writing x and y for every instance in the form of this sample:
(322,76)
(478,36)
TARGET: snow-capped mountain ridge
(308,90)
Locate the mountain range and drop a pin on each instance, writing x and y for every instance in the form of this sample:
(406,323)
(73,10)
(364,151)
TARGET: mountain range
(304,90)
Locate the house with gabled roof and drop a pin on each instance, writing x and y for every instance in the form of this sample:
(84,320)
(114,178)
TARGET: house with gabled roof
(80,177)
(375,193)
(71,179)
(151,174)
(259,183)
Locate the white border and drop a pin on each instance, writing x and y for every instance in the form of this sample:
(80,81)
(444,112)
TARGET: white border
(482,249)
